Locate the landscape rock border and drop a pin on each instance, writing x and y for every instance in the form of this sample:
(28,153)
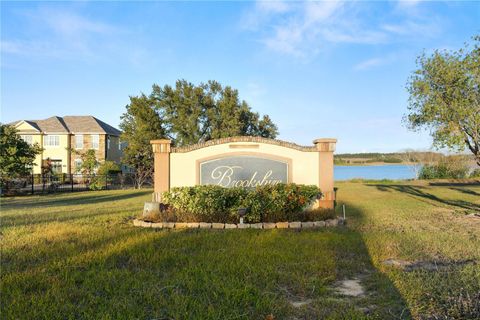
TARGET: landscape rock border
(266,225)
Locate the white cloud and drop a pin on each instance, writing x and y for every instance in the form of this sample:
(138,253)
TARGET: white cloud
(303,29)
(31,48)
(320,11)
(383,60)
(408,4)
(302,25)
(60,33)
(72,24)
(262,12)
(370,63)
(427,28)
(73,35)
(272,6)
(286,40)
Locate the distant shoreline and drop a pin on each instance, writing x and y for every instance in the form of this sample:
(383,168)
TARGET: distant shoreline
(373,164)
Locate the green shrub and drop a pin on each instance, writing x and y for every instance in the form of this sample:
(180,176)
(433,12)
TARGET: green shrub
(441,171)
(475,174)
(447,168)
(392,160)
(97,183)
(210,203)
(339,161)
(108,167)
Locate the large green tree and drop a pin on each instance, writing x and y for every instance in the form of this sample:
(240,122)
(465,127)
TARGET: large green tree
(140,124)
(16,156)
(197,113)
(186,114)
(445,97)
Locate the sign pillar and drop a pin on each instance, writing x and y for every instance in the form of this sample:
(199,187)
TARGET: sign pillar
(161,177)
(325,148)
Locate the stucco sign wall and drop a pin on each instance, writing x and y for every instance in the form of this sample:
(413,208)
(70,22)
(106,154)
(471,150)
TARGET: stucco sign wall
(245,162)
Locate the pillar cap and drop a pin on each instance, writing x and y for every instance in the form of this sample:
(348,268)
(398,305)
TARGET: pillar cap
(161,141)
(323,140)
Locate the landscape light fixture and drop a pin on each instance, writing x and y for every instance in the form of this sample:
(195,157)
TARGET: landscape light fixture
(241,213)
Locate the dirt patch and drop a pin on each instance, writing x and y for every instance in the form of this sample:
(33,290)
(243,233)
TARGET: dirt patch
(350,287)
(300,303)
(397,263)
(433,265)
(473,215)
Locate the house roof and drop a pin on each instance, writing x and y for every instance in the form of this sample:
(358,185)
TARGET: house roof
(72,124)
(89,124)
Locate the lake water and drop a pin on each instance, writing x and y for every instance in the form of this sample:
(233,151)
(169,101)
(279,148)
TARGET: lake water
(378,172)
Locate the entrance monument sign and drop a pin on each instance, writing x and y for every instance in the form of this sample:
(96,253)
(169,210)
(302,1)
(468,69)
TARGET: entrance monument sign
(245,162)
(243,171)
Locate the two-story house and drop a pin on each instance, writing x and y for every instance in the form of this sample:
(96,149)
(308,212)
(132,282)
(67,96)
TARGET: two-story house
(63,139)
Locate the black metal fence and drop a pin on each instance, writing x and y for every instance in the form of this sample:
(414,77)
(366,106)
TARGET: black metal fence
(51,183)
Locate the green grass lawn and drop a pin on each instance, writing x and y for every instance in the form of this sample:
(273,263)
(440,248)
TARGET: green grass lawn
(78,256)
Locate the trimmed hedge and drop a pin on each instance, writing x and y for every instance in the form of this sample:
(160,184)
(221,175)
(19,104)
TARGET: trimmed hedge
(210,203)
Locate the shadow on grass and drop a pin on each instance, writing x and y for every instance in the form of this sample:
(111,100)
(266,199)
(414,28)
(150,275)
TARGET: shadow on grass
(456,183)
(19,220)
(378,284)
(420,192)
(62,199)
(21,258)
(61,208)
(466,191)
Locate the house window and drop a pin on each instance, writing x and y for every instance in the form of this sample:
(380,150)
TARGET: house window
(26,138)
(119,145)
(78,165)
(56,166)
(79,141)
(108,143)
(51,141)
(95,141)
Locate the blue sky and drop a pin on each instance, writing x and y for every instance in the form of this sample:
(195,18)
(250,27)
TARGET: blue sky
(319,69)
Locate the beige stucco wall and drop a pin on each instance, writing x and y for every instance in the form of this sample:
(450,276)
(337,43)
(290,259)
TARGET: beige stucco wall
(37,138)
(304,164)
(24,127)
(55,153)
